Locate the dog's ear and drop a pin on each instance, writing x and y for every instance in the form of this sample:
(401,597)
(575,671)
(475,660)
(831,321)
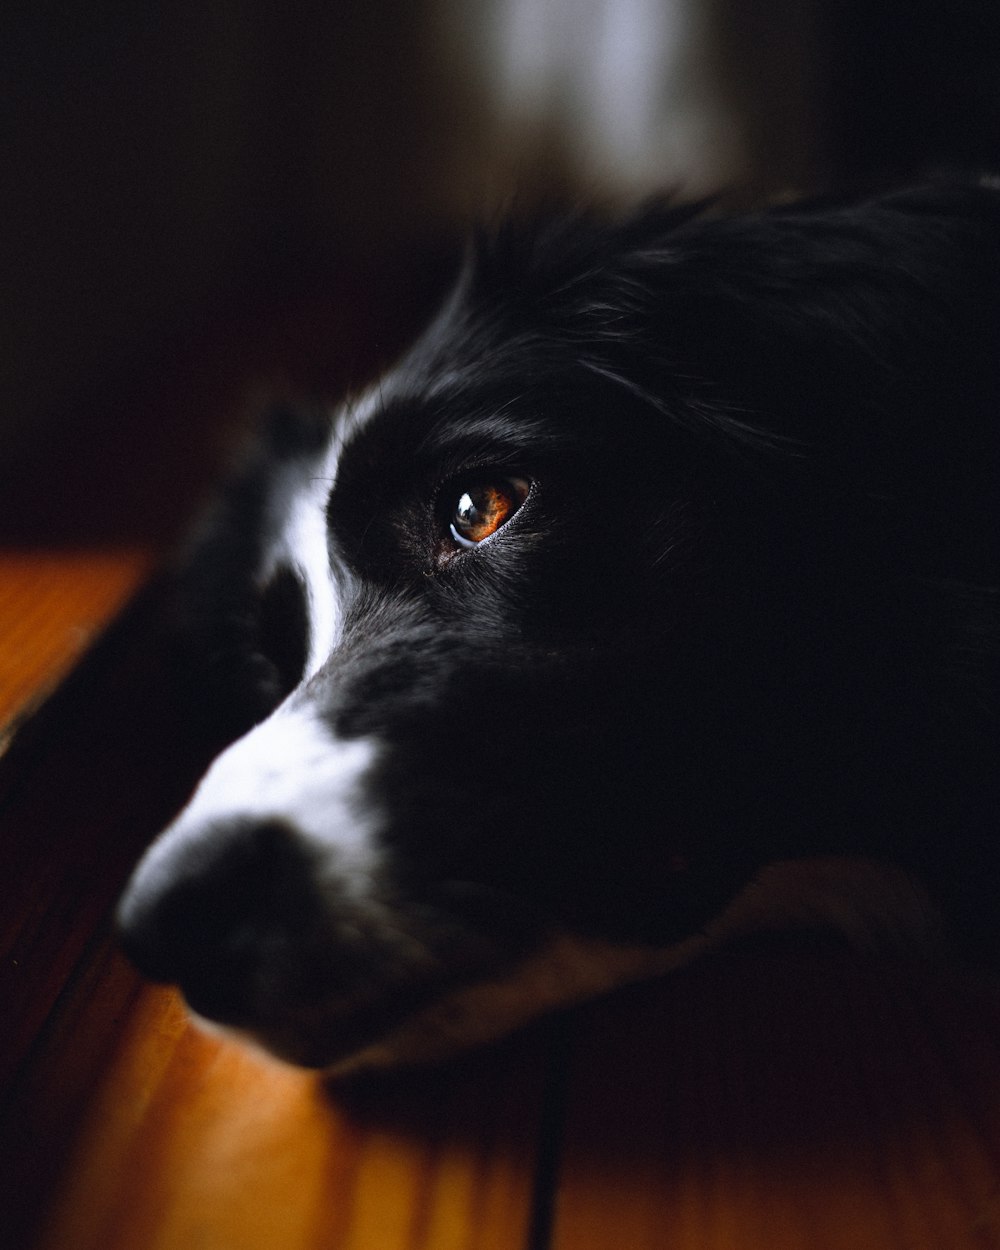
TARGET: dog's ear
(237,618)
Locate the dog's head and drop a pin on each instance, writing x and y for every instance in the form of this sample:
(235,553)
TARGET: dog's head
(611,594)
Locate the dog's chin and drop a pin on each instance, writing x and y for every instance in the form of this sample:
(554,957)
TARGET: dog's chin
(343,1040)
(871,906)
(332,1047)
(322,1033)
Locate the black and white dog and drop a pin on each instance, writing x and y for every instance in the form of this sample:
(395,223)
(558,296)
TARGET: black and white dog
(651,599)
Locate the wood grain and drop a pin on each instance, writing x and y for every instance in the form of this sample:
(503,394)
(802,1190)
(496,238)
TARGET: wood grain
(193,1141)
(53,605)
(122,1124)
(762,1100)
(787,1101)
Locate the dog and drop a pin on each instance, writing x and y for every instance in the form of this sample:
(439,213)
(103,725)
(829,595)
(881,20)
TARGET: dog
(649,601)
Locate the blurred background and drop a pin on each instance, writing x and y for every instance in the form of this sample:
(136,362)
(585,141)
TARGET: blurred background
(198,200)
(204,202)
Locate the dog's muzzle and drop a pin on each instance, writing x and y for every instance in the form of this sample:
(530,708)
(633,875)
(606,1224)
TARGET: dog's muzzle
(274,907)
(237,919)
(261,902)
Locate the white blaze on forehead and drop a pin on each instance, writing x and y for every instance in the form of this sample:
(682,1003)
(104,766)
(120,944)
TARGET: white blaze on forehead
(297,506)
(305,544)
(292,768)
(298,519)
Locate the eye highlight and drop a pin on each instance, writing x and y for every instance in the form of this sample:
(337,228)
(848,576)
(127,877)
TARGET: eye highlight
(481,509)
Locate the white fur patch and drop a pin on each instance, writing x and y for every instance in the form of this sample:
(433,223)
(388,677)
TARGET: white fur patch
(305,544)
(297,525)
(297,508)
(290,768)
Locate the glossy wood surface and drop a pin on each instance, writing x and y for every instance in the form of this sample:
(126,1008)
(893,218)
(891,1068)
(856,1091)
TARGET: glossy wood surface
(786,1101)
(762,1100)
(53,604)
(191,1141)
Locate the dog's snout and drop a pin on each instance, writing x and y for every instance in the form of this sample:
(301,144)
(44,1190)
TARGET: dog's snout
(221,918)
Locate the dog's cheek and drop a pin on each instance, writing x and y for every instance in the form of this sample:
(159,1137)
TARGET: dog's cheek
(275,854)
(557,816)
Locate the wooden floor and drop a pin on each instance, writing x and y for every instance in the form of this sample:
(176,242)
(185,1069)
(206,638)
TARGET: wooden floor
(764,1100)
(761,1100)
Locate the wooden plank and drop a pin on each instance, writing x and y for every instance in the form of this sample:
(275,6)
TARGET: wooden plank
(124,1126)
(764,1102)
(183,1140)
(53,605)
(83,788)
(757,1100)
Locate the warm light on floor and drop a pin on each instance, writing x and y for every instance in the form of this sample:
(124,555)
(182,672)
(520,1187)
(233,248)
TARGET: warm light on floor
(757,1101)
(193,1140)
(53,604)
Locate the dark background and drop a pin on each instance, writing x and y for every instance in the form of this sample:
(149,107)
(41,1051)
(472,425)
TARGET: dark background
(252,191)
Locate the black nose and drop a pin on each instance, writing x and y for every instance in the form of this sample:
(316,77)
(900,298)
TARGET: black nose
(227,918)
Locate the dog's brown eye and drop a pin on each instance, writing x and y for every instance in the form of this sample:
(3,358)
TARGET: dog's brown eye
(482,509)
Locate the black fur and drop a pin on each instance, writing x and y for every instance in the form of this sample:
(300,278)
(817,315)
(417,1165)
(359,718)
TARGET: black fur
(749,611)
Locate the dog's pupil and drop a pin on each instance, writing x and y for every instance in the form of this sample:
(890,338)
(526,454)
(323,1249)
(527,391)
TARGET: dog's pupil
(466,514)
(481,511)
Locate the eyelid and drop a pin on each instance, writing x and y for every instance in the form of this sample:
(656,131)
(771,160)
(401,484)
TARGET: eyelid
(468,543)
